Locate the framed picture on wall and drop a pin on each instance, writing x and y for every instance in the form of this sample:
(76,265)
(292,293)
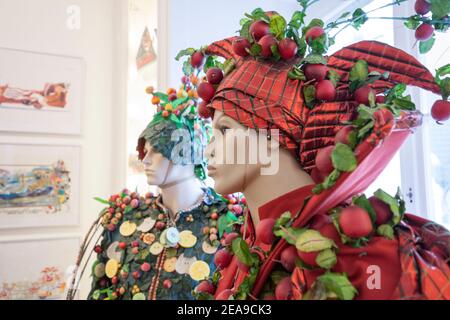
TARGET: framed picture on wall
(37,268)
(40,93)
(39,185)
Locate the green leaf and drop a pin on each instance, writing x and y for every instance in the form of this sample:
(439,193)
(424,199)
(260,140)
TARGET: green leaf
(359,18)
(343,158)
(413,22)
(260,14)
(440,8)
(103,201)
(312,241)
(334,77)
(393,205)
(188,69)
(255,49)
(242,252)
(315,59)
(275,52)
(319,45)
(222,225)
(326,259)
(359,72)
(283,219)
(425,46)
(309,94)
(185,52)
(364,203)
(339,285)
(289,234)
(245,30)
(386,230)
(366,129)
(297,20)
(277,26)
(404,104)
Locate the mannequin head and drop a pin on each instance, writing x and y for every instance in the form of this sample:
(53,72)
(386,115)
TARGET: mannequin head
(161,171)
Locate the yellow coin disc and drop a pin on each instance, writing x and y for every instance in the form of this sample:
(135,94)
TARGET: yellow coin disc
(127,228)
(187,239)
(199,270)
(156,248)
(169,264)
(112,266)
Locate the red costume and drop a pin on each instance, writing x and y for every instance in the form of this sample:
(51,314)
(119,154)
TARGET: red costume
(260,95)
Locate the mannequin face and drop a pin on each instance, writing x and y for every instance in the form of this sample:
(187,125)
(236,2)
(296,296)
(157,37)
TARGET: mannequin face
(161,171)
(230,176)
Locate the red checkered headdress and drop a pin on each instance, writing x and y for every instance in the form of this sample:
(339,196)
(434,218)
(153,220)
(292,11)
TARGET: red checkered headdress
(260,95)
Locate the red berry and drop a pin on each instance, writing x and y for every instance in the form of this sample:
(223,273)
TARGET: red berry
(266,44)
(422,7)
(136,275)
(160,225)
(135,244)
(222,258)
(288,257)
(134,203)
(145,267)
(214,75)
(240,46)
(197,59)
(283,291)
(230,237)
(316,72)
(224,295)
(167,284)
(203,110)
(308,257)
(259,29)
(355,222)
(205,286)
(441,110)
(325,91)
(264,231)
(214,216)
(287,48)
(98,249)
(323,160)
(343,135)
(424,32)
(114,280)
(122,245)
(362,95)
(185,80)
(314,33)
(382,210)
(173,97)
(206,91)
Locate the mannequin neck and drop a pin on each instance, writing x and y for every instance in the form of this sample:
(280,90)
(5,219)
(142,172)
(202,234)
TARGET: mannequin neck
(265,188)
(182,195)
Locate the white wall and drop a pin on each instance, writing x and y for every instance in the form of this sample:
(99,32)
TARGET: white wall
(41,26)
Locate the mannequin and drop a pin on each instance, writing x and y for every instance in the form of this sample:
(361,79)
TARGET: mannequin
(309,218)
(161,247)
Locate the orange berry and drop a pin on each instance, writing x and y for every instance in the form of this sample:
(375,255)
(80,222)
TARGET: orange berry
(168,107)
(156,100)
(171,90)
(165,113)
(149,90)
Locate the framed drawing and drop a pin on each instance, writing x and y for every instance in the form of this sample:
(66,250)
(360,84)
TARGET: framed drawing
(37,268)
(40,93)
(39,185)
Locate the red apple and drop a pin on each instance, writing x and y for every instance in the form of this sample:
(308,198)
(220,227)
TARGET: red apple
(362,95)
(206,91)
(222,258)
(325,91)
(355,222)
(266,44)
(422,7)
(197,59)
(382,210)
(264,231)
(224,295)
(424,32)
(308,257)
(288,257)
(343,135)
(288,49)
(205,286)
(204,111)
(314,33)
(323,160)
(283,291)
(259,29)
(441,110)
(214,75)
(316,72)
(240,46)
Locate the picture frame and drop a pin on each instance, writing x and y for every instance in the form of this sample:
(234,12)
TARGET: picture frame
(41,93)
